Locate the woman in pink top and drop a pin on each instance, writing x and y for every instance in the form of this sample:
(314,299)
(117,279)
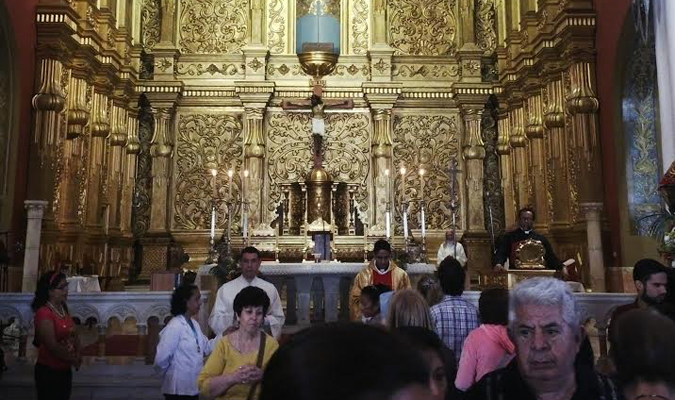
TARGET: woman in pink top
(488,347)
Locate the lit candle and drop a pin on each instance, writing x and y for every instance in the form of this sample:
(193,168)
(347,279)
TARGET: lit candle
(388,224)
(421,172)
(213,222)
(387,216)
(403,171)
(245,205)
(424,227)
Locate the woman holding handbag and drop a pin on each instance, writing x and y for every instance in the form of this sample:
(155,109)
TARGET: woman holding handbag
(235,368)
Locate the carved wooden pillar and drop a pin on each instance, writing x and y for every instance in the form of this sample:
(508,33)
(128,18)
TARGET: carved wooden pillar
(537,160)
(132,148)
(48,104)
(556,152)
(161,151)
(474,153)
(100,129)
(593,216)
(519,159)
(254,162)
(506,168)
(117,140)
(382,158)
(380,53)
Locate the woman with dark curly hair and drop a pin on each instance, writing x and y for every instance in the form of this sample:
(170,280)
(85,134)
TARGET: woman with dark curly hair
(55,337)
(236,366)
(182,346)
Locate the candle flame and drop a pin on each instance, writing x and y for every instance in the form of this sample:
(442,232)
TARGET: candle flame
(214,172)
(403,170)
(421,171)
(245,173)
(386,172)
(230,173)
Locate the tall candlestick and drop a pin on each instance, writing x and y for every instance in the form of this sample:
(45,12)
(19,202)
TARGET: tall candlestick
(388,218)
(421,171)
(405,223)
(403,183)
(213,222)
(230,173)
(424,226)
(213,183)
(245,225)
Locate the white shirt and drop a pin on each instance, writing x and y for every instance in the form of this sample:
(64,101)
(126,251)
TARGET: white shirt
(179,358)
(448,249)
(222,315)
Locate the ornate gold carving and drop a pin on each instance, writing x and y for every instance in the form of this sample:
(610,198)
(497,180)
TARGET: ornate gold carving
(163,64)
(213,26)
(422,27)
(150,23)
(48,104)
(283,69)
(360,38)
(346,151)
(351,70)
(318,7)
(199,70)
(472,67)
(382,66)
(202,139)
(276,28)
(424,71)
(255,64)
(486,26)
(431,142)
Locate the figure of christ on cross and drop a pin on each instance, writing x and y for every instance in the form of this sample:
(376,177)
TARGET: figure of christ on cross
(317,105)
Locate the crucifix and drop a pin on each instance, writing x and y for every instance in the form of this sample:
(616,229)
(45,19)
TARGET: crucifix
(454,200)
(317,106)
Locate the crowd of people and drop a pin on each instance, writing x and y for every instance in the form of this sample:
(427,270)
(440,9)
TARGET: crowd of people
(402,343)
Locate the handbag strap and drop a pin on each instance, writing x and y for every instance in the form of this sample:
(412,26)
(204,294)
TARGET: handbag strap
(258,363)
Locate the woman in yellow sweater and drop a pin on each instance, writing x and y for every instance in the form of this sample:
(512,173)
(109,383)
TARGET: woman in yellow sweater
(236,364)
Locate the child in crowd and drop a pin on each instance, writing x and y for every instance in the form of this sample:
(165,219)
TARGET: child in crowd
(370,305)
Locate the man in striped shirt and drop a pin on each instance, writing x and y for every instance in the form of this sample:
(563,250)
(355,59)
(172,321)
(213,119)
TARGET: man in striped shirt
(453,317)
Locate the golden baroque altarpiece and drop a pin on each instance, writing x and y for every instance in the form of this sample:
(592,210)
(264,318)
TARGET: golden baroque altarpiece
(138,100)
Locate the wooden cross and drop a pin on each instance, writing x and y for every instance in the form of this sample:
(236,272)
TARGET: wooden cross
(317,105)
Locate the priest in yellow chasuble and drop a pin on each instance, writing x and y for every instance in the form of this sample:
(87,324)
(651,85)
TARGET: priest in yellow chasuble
(381,270)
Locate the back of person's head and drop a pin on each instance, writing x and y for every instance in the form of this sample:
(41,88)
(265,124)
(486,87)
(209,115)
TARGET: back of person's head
(408,308)
(342,361)
(493,306)
(452,276)
(180,297)
(48,281)
(251,296)
(430,289)
(643,349)
(645,268)
(371,293)
(424,340)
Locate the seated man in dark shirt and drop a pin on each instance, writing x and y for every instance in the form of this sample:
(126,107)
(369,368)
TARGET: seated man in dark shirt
(510,241)
(546,330)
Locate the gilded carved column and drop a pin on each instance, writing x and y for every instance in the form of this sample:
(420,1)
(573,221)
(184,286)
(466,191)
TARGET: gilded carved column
(100,129)
(474,153)
(48,104)
(132,148)
(382,161)
(255,53)
(506,168)
(519,158)
(165,52)
(537,160)
(556,152)
(117,140)
(380,53)
(582,105)
(161,150)
(254,162)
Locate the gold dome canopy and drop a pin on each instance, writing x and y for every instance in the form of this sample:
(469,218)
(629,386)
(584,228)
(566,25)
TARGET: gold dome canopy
(318,175)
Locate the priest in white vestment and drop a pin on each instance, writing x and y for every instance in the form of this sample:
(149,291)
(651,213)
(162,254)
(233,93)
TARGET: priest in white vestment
(223,316)
(451,248)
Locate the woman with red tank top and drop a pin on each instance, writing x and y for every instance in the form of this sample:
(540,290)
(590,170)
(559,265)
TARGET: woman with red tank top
(55,337)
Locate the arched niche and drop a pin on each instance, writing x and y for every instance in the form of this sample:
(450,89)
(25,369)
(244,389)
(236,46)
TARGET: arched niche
(317,22)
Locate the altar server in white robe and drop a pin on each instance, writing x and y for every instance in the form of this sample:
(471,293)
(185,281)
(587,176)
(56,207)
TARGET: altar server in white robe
(451,248)
(223,315)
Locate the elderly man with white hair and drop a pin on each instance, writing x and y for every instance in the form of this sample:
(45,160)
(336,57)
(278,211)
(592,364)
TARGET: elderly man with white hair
(545,327)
